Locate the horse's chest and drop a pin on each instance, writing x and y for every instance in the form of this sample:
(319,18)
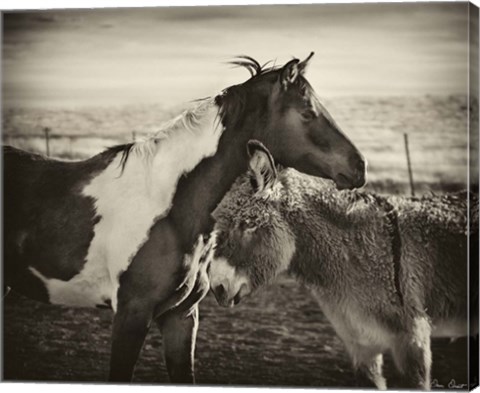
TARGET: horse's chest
(194,283)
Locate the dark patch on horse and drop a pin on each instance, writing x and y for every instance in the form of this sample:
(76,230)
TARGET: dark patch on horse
(125,149)
(48,223)
(395,235)
(232,103)
(199,193)
(27,284)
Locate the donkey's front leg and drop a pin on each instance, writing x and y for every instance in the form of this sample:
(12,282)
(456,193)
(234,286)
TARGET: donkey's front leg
(179,331)
(413,356)
(130,327)
(368,372)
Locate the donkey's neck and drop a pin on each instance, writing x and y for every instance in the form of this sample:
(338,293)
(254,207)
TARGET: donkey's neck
(329,227)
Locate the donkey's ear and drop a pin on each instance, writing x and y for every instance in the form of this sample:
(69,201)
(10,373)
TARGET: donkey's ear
(302,66)
(263,173)
(289,73)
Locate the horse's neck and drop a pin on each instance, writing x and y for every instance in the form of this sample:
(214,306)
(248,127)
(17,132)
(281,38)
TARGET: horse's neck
(200,192)
(145,182)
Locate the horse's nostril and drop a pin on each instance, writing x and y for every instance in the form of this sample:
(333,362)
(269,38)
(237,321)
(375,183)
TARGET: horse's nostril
(357,162)
(359,170)
(359,166)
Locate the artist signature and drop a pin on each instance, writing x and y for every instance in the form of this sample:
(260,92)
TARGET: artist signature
(451,385)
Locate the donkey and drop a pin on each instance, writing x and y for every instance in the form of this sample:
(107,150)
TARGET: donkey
(124,228)
(387,272)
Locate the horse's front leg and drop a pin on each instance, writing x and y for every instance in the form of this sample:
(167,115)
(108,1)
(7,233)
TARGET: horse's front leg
(179,331)
(6,291)
(179,325)
(130,327)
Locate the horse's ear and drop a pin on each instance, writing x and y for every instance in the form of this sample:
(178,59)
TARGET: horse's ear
(289,73)
(263,173)
(302,66)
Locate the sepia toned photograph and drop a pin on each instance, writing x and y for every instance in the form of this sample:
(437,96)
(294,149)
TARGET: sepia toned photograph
(255,196)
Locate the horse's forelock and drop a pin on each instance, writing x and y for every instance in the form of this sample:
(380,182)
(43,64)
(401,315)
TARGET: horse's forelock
(232,99)
(252,65)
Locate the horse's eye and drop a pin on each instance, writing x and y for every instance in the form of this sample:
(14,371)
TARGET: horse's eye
(309,115)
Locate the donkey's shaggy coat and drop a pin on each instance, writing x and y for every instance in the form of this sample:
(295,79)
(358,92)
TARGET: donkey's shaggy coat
(387,271)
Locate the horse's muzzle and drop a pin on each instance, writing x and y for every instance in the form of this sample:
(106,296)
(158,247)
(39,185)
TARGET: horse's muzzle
(358,177)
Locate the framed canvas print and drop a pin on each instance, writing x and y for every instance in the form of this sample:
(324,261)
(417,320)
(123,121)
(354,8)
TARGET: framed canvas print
(257,195)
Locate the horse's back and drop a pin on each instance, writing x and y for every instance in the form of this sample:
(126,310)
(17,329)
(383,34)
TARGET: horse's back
(48,222)
(31,181)
(17,163)
(29,176)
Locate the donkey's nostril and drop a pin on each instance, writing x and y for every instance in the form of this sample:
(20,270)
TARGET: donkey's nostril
(237,298)
(219,291)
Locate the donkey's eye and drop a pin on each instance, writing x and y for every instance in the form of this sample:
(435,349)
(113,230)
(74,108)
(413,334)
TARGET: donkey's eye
(309,114)
(254,183)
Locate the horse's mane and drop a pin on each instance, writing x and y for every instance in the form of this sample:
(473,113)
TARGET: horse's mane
(252,65)
(189,120)
(125,149)
(231,102)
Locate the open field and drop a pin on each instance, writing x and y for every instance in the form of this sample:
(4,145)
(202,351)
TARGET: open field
(437,129)
(278,337)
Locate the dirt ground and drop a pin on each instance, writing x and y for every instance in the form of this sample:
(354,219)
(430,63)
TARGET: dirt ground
(279,337)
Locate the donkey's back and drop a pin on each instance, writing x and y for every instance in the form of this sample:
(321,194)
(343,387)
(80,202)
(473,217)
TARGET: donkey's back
(439,238)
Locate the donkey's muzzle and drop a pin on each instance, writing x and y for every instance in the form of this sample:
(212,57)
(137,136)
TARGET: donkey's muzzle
(220,294)
(225,299)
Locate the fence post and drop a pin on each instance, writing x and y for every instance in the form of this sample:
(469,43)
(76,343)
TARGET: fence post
(134,136)
(409,164)
(47,140)
(70,143)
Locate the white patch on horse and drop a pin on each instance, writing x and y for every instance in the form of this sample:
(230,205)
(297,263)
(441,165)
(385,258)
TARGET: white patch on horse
(129,203)
(89,288)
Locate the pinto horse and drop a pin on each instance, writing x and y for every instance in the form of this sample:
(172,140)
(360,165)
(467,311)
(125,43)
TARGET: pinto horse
(124,228)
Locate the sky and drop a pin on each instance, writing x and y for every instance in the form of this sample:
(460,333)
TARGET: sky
(169,55)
